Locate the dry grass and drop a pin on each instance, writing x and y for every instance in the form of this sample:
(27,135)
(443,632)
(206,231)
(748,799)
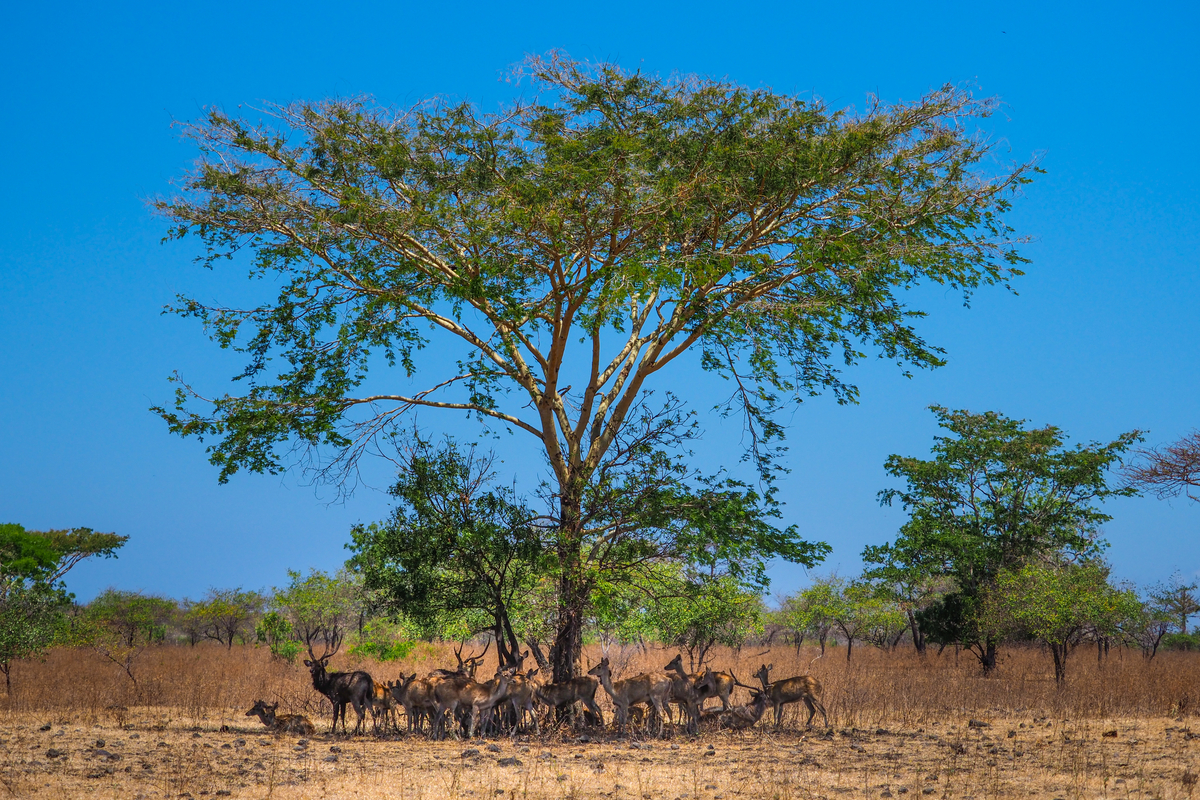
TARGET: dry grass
(900,729)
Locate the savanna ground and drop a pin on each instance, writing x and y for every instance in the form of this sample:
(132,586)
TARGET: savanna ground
(75,726)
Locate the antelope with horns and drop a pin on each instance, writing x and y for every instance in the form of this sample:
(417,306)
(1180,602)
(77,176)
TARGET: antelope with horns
(639,689)
(355,688)
(792,690)
(280,723)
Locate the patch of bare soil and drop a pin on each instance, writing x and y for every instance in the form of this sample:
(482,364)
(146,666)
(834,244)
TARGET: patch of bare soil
(149,756)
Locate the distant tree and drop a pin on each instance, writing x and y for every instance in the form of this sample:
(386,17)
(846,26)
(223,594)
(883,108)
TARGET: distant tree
(995,497)
(120,625)
(226,614)
(32,596)
(591,236)
(1057,604)
(1177,600)
(455,543)
(696,613)
(897,571)
(1169,471)
(318,608)
(811,610)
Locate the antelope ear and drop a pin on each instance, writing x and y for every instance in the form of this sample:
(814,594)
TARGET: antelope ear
(771,667)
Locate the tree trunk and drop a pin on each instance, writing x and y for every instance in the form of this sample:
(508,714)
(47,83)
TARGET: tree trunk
(1059,651)
(917,634)
(849,647)
(987,658)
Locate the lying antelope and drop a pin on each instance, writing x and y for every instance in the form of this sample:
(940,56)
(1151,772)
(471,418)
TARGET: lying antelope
(747,716)
(654,689)
(792,690)
(281,723)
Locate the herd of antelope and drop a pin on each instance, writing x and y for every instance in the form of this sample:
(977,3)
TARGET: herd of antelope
(446,702)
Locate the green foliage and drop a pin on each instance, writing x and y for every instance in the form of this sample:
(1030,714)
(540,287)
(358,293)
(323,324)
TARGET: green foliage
(273,630)
(225,614)
(696,613)
(1177,600)
(318,608)
(1189,642)
(33,598)
(455,544)
(1058,604)
(994,497)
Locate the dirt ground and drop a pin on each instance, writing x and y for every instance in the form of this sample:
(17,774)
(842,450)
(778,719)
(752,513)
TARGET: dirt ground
(143,754)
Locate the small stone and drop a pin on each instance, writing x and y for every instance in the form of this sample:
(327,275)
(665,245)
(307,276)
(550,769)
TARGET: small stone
(331,758)
(928,790)
(45,727)
(196,735)
(335,749)
(227,746)
(468,753)
(52,753)
(674,747)
(493,748)
(223,793)
(99,743)
(1012,734)
(239,742)
(978,723)
(585,739)
(886,793)
(710,752)
(710,786)
(1110,734)
(511,761)
(882,731)
(302,743)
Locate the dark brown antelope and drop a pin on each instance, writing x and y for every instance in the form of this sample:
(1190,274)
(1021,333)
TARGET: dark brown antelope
(280,723)
(684,694)
(792,690)
(747,716)
(356,688)
(654,689)
(568,693)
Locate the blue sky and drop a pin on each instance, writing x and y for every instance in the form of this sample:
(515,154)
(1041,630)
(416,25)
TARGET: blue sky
(1099,339)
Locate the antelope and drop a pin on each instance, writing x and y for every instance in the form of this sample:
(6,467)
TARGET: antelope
(747,716)
(683,693)
(281,723)
(639,689)
(792,690)
(417,697)
(720,685)
(466,666)
(383,700)
(521,691)
(568,693)
(356,688)
(460,692)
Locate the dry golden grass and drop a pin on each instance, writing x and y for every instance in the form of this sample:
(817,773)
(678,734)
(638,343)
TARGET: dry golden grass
(900,728)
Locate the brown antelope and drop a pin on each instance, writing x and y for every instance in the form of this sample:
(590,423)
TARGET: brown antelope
(462,693)
(747,716)
(684,694)
(281,723)
(568,693)
(521,690)
(466,666)
(356,688)
(383,704)
(719,685)
(417,697)
(639,689)
(792,690)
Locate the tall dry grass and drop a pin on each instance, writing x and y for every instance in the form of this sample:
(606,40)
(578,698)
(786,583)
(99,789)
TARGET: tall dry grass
(875,688)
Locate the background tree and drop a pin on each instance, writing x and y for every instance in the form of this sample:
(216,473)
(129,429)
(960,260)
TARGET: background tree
(588,237)
(120,625)
(455,544)
(318,608)
(699,612)
(811,610)
(995,497)
(1169,471)
(226,614)
(1177,600)
(1058,604)
(33,598)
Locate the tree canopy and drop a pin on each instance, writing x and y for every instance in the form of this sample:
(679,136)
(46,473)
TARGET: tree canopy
(995,497)
(560,254)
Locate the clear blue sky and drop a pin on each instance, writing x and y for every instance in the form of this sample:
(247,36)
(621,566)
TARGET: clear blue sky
(1100,339)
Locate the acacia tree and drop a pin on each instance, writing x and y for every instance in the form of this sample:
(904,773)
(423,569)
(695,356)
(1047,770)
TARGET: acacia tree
(995,497)
(562,253)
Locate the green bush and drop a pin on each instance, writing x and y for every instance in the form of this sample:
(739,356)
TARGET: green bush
(382,651)
(1181,641)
